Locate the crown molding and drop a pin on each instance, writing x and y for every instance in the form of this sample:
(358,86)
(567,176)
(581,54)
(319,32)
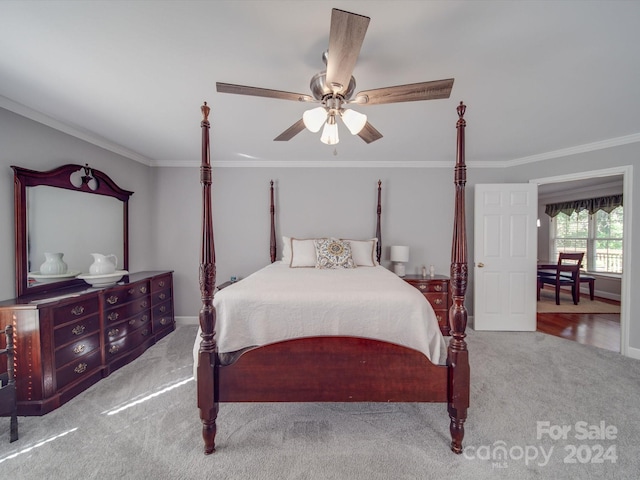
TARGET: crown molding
(76,132)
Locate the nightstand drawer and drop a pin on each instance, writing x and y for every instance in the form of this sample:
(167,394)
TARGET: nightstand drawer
(436,292)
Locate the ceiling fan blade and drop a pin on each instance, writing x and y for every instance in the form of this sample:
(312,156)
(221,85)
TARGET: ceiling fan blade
(290,132)
(262,92)
(369,134)
(405,93)
(345,40)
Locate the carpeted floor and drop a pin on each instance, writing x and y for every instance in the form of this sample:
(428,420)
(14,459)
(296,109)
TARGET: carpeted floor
(547,304)
(527,388)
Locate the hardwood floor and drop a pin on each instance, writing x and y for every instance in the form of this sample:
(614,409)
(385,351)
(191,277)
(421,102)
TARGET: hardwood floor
(597,329)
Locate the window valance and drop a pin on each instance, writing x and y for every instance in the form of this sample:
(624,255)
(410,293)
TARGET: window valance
(591,204)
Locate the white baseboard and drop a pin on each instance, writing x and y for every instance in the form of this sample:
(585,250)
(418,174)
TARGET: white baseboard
(633,353)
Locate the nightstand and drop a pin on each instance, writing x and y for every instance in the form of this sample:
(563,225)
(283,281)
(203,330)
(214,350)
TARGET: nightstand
(436,290)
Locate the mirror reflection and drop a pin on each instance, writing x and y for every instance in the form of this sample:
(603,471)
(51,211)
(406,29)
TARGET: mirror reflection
(73,223)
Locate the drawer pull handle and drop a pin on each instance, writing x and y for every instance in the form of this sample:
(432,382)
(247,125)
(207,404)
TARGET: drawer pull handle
(163,308)
(113,316)
(144,304)
(439,317)
(113,349)
(77,310)
(145,317)
(162,296)
(113,332)
(132,291)
(78,349)
(164,321)
(81,368)
(145,332)
(143,289)
(438,288)
(438,301)
(132,321)
(78,330)
(161,283)
(112,300)
(422,286)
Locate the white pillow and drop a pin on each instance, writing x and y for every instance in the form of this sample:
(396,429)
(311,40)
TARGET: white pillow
(363,252)
(286,249)
(303,253)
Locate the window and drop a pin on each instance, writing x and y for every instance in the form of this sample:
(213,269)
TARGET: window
(598,235)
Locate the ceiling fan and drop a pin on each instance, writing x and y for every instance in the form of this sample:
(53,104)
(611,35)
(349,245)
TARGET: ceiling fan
(333,88)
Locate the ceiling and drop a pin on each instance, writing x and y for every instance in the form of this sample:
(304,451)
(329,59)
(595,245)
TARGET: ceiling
(540,79)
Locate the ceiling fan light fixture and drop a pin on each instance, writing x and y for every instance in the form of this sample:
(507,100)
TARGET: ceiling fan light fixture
(355,121)
(314,119)
(330,132)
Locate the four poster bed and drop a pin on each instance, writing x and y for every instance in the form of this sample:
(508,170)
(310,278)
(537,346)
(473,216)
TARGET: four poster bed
(307,365)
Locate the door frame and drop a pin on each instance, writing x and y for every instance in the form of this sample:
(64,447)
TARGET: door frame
(627,191)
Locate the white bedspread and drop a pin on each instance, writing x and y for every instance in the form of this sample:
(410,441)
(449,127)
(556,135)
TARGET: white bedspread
(278,303)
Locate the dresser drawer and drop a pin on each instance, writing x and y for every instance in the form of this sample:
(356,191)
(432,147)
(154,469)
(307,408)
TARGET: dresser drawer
(78,369)
(162,310)
(121,329)
(125,294)
(126,343)
(161,283)
(77,349)
(131,309)
(76,329)
(75,310)
(160,296)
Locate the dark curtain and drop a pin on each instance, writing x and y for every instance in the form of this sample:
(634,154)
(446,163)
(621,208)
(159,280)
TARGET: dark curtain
(591,204)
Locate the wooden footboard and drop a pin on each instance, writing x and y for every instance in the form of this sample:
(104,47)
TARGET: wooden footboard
(332,369)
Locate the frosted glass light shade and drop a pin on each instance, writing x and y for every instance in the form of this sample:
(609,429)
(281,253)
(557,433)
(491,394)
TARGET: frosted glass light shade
(399,254)
(330,133)
(314,119)
(355,121)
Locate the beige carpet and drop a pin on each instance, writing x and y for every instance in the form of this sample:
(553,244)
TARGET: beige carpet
(547,304)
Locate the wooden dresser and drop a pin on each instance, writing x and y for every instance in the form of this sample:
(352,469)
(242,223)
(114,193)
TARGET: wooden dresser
(65,341)
(436,291)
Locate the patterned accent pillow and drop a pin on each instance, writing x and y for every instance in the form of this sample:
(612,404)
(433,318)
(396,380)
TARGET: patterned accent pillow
(333,253)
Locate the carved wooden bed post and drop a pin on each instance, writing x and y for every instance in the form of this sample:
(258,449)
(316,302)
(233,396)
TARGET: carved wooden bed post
(208,353)
(458,355)
(272,211)
(378,230)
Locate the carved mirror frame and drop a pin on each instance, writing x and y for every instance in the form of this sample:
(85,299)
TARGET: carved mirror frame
(92,182)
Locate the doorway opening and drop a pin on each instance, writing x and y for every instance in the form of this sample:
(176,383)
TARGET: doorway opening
(604,330)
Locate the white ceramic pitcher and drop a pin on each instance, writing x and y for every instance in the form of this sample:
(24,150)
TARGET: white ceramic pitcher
(103,264)
(53,265)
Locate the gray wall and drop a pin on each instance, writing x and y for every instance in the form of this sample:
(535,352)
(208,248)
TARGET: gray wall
(166,210)
(29,144)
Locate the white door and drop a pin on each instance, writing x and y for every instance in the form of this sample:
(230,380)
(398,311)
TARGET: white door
(505,251)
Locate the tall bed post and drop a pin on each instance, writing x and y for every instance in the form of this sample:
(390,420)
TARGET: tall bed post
(272,212)
(458,355)
(378,230)
(208,352)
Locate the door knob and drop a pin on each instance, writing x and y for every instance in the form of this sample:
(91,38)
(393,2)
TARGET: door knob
(480,265)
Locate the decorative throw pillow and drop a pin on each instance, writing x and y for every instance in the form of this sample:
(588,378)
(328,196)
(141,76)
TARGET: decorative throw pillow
(333,253)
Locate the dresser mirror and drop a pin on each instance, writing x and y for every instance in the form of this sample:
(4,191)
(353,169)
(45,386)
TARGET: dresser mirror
(74,210)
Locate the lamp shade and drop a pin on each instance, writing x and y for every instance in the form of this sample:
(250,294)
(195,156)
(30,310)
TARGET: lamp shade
(399,253)
(355,121)
(314,119)
(330,132)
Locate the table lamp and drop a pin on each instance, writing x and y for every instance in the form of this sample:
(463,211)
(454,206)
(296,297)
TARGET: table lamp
(399,256)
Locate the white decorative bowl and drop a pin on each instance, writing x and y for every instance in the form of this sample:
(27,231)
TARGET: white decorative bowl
(105,280)
(50,278)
